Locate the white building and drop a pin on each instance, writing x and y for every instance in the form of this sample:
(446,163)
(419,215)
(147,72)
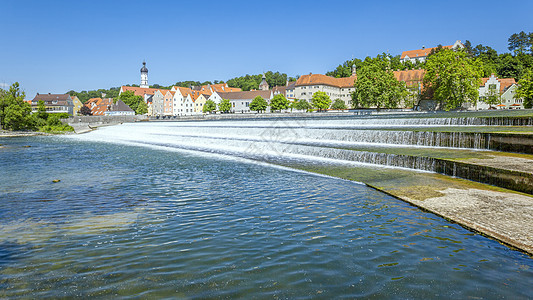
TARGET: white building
(420,55)
(335,88)
(503,88)
(240,101)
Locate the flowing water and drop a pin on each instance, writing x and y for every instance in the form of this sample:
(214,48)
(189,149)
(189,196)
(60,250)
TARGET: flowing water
(188,210)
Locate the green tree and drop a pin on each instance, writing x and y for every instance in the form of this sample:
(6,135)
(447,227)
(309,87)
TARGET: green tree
(453,77)
(41,110)
(279,102)
(376,85)
(301,104)
(15,114)
(520,43)
(258,104)
(209,106)
(338,104)
(493,96)
(510,66)
(134,102)
(224,106)
(525,89)
(321,100)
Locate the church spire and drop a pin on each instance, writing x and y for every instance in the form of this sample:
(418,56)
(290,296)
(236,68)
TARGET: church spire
(144,76)
(263,86)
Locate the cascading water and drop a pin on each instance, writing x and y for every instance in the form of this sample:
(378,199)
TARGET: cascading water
(371,142)
(294,139)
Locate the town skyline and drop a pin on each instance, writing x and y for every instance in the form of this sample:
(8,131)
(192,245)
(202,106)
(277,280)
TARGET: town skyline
(56,47)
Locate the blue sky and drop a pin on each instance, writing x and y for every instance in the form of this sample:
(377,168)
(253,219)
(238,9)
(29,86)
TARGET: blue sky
(57,46)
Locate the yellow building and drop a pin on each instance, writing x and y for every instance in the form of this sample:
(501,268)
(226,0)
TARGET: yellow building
(77,105)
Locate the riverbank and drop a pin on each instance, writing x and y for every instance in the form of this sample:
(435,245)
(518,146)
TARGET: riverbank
(7,133)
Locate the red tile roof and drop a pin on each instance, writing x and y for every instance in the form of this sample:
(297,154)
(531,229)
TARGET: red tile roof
(138,91)
(99,106)
(410,77)
(420,52)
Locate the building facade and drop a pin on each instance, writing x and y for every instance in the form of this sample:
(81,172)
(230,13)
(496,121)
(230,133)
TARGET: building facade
(335,88)
(502,88)
(420,55)
(55,103)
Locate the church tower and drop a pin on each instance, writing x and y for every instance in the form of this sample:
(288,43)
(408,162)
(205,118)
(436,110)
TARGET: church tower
(354,69)
(144,76)
(263,86)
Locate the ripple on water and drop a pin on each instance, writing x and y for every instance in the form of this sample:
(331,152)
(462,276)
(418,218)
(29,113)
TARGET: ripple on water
(172,224)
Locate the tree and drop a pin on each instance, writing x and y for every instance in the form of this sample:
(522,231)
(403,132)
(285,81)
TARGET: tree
(224,106)
(258,104)
(279,102)
(301,104)
(510,66)
(134,102)
(493,96)
(41,110)
(338,104)
(321,100)
(85,111)
(209,106)
(453,77)
(376,85)
(525,89)
(520,43)
(15,114)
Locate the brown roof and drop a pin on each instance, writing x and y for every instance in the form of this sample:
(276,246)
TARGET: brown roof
(244,95)
(52,99)
(138,91)
(420,52)
(410,77)
(313,79)
(120,106)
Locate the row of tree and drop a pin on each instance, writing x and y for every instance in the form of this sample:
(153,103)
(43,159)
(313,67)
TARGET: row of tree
(320,101)
(251,82)
(15,114)
(86,95)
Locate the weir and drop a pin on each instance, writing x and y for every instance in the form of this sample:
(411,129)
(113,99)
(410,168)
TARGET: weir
(493,154)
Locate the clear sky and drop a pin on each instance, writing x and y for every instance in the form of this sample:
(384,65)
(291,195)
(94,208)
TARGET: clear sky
(57,46)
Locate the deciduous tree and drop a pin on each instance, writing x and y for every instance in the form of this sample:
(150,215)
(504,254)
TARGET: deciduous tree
(258,104)
(321,100)
(454,78)
(209,106)
(224,106)
(376,85)
(15,114)
(338,104)
(134,102)
(525,89)
(279,102)
(301,104)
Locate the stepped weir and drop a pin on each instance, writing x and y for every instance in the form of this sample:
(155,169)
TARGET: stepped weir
(422,160)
